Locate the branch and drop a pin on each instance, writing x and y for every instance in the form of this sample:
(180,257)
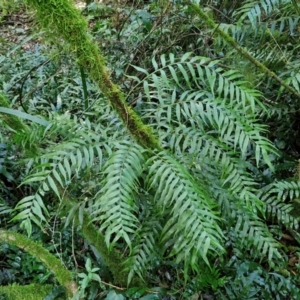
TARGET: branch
(63,276)
(112,258)
(63,21)
(210,23)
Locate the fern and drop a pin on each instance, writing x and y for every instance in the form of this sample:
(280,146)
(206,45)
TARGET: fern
(208,114)
(32,209)
(144,250)
(5,209)
(279,197)
(254,11)
(115,203)
(195,121)
(208,118)
(250,229)
(203,191)
(191,216)
(213,99)
(54,171)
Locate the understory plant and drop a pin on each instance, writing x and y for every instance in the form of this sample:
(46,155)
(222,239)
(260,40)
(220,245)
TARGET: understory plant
(179,177)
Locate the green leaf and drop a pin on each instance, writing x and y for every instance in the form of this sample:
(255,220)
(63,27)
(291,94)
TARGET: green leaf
(112,295)
(53,186)
(23,115)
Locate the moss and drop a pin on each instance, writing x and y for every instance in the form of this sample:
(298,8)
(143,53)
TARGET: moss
(63,276)
(210,23)
(61,19)
(111,257)
(26,292)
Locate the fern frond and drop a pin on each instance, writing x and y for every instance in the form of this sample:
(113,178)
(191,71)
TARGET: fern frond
(293,78)
(199,108)
(83,150)
(205,149)
(191,211)
(272,57)
(83,147)
(32,209)
(256,10)
(115,205)
(268,16)
(144,247)
(235,129)
(251,231)
(278,197)
(5,209)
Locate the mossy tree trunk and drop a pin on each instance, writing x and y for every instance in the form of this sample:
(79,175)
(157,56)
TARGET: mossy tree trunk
(60,19)
(63,276)
(230,41)
(112,258)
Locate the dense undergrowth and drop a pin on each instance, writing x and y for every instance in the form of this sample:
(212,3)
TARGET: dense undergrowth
(171,174)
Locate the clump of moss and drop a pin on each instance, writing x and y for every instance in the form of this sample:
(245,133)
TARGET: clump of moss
(63,276)
(28,292)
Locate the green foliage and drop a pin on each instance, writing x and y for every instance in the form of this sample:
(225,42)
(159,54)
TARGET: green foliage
(18,261)
(30,292)
(7,7)
(87,278)
(35,249)
(250,281)
(189,182)
(191,216)
(118,192)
